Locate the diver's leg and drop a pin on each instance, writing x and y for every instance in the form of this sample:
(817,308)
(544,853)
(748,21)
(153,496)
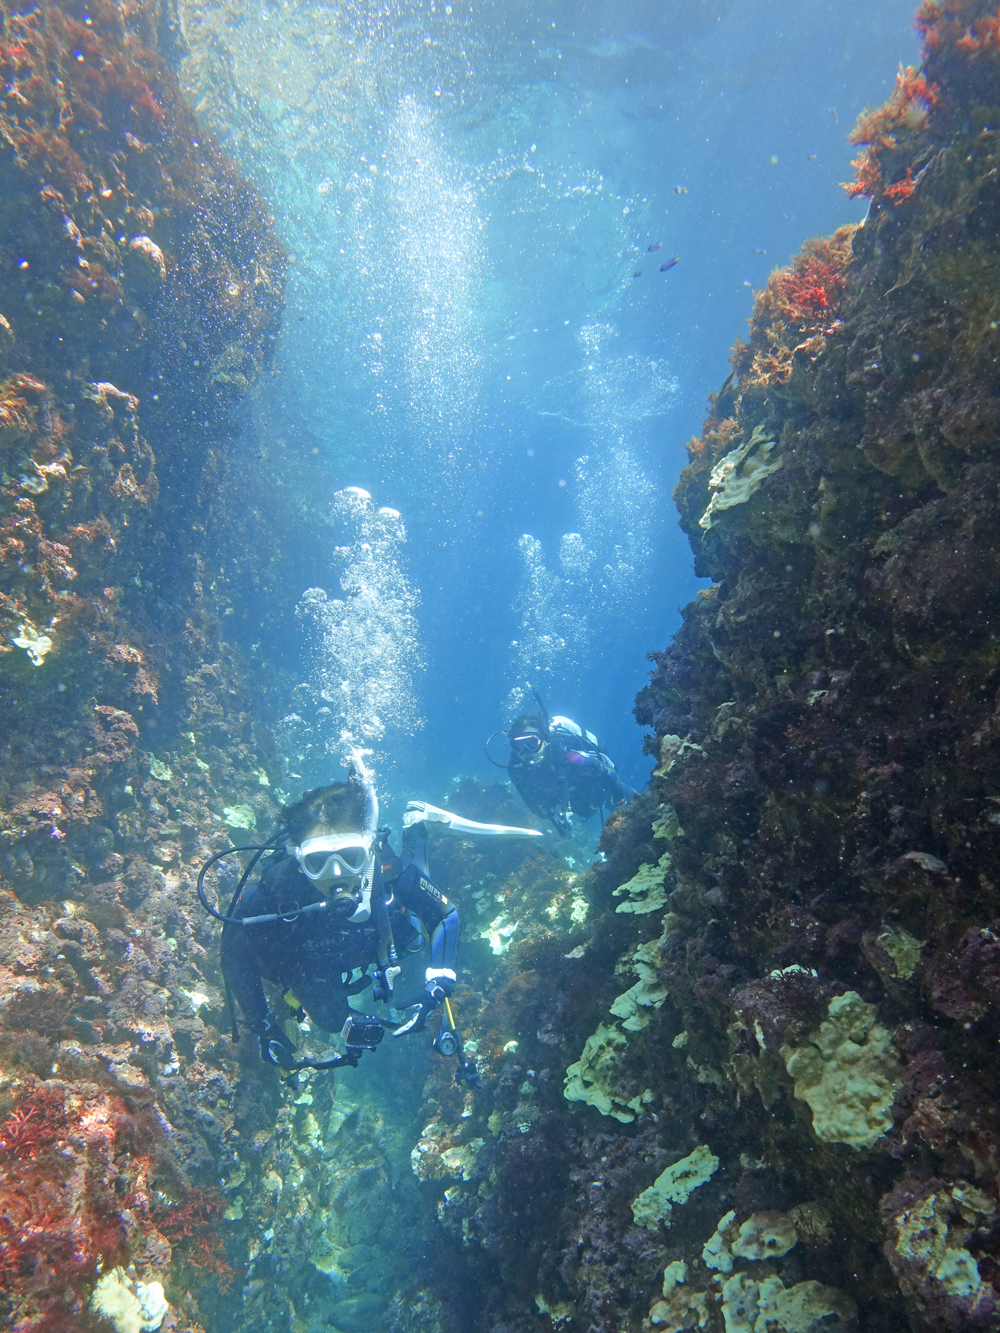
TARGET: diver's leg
(415,848)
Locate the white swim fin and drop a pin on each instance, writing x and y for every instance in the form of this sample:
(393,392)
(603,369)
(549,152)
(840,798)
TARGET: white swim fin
(421,812)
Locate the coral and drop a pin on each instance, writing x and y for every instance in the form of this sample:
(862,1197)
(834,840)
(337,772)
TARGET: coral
(680,1307)
(674,1185)
(74,1164)
(903,950)
(119,219)
(848,1073)
(766,1235)
(131,1307)
(770,1307)
(929,1229)
(839,682)
(436,1154)
(648,993)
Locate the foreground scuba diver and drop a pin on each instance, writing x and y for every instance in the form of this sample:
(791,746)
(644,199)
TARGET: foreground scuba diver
(559,770)
(321,915)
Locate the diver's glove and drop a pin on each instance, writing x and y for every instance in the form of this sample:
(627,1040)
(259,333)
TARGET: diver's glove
(439,983)
(274,1045)
(563,822)
(383,981)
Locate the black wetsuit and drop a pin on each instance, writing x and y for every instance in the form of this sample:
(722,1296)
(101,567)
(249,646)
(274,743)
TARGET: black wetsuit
(571,776)
(314,956)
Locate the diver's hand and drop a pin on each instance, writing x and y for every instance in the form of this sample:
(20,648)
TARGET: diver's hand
(275,1048)
(563,822)
(440,982)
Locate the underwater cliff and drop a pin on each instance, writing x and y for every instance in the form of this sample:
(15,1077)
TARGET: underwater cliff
(739,1075)
(782,1107)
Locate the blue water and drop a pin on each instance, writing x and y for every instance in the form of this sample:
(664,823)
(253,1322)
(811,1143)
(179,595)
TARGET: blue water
(466,191)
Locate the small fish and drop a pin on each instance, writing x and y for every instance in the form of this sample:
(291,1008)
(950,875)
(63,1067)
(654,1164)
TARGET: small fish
(680,189)
(637,273)
(669,264)
(812,157)
(758,250)
(655,246)
(833,113)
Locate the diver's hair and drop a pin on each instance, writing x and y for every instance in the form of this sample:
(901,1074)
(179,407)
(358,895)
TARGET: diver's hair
(528,722)
(337,808)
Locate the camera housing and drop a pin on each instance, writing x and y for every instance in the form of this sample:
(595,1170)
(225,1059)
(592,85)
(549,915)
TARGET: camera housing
(362,1033)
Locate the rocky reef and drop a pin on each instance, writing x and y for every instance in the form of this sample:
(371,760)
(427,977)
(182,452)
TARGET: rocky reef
(758,1094)
(140,294)
(738,1073)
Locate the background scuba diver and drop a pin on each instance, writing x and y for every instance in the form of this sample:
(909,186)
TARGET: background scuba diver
(559,770)
(322,913)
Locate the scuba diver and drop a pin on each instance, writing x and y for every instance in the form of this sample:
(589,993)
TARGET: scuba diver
(559,770)
(318,923)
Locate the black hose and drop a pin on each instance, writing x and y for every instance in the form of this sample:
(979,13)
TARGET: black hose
(258,849)
(385,948)
(541,705)
(486,747)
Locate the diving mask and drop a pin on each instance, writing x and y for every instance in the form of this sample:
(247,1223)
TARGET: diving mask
(332,856)
(526,745)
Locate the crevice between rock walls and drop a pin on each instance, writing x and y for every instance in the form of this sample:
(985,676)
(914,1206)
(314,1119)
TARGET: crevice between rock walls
(739,1076)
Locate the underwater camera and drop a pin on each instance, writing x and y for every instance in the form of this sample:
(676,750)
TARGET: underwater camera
(362,1033)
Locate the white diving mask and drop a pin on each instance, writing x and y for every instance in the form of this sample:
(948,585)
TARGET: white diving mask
(332,856)
(343,863)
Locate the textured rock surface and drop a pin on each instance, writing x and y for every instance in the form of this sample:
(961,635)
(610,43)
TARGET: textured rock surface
(127,722)
(824,729)
(807,892)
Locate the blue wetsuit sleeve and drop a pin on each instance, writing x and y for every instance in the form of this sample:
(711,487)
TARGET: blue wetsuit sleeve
(415,848)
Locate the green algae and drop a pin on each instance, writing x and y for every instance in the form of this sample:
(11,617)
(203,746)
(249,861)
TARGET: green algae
(674,1186)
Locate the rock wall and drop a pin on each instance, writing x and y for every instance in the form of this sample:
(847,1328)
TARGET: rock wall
(777,1029)
(140,295)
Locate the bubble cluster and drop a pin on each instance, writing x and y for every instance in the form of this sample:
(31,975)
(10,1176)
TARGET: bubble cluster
(366,652)
(600,567)
(553,623)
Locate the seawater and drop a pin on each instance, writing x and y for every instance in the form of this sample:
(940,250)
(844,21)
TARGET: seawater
(466,191)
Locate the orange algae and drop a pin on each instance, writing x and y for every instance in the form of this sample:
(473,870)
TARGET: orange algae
(908,109)
(902,189)
(796,310)
(950,24)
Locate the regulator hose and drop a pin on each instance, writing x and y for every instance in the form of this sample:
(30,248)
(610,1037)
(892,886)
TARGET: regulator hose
(486,747)
(258,849)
